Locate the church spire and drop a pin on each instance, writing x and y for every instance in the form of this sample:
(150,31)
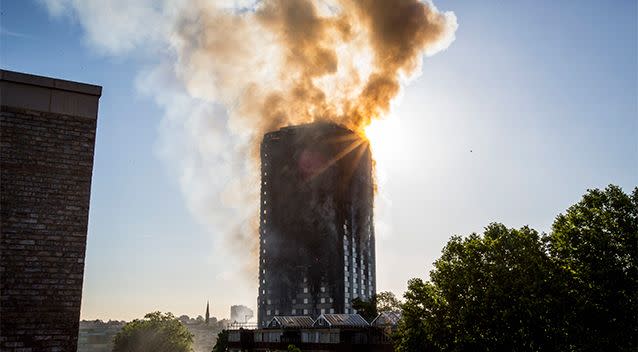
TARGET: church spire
(207,313)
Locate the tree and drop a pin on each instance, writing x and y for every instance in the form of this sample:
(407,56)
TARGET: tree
(381,302)
(156,332)
(595,247)
(421,319)
(489,292)
(386,301)
(222,342)
(507,289)
(365,308)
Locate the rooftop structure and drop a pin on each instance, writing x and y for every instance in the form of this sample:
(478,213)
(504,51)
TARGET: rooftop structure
(286,322)
(341,320)
(386,319)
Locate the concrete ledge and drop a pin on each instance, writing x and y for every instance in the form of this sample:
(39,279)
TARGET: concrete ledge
(30,92)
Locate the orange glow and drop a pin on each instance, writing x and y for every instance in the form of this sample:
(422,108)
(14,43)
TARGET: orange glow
(384,139)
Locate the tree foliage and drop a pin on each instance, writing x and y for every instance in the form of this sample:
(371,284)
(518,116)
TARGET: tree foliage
(367,309)
(595,246)
(384,301)
(156,332)
(513,289)
(222,342)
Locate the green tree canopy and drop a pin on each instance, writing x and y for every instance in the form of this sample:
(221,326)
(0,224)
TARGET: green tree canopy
(156,332)
(595,246)
(384,301)
(489,292)
(367,309)
(513,289)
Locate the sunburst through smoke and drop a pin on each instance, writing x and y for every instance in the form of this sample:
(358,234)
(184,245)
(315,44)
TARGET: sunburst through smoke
(283,62)
(227,71)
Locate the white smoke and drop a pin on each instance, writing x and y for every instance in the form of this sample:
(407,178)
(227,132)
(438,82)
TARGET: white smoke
(225,72)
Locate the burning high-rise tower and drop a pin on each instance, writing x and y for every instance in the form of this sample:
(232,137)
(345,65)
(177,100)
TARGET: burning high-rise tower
(316,223)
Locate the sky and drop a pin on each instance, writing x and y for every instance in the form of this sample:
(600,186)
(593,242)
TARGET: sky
(532,104)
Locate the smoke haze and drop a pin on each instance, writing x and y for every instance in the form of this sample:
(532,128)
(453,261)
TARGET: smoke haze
(226,72)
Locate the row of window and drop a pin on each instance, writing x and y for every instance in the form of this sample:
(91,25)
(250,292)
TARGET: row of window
(305,300)
(300,311)
(306,337)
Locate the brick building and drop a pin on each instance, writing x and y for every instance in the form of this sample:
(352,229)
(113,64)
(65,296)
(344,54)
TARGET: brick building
(47,137)
(316,225)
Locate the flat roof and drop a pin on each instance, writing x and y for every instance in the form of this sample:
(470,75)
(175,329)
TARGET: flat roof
(50,95)
(48,82)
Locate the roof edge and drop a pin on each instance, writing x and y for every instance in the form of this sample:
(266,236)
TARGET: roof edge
(49,82)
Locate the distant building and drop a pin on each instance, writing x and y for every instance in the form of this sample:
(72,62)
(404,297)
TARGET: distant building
(204,335)
(240,313)
(47,136)
(97,336)
(329,332)
(316,228)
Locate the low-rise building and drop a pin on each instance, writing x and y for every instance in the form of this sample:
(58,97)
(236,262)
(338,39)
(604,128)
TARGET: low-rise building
(329,332)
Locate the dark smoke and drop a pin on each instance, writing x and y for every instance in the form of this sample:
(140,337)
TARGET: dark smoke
(288,62)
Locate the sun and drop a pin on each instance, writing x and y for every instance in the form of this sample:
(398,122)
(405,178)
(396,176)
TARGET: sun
(385,140)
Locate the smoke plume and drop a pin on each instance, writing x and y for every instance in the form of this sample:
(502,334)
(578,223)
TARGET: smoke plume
(287,62)
(226,72)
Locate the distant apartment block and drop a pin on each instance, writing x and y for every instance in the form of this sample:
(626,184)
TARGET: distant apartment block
(316,222)
(47,136)
(240,313)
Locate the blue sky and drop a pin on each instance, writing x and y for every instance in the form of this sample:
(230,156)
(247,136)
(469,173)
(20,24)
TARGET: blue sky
(534,103)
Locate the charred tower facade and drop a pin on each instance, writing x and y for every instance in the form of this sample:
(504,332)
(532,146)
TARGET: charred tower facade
(316,224)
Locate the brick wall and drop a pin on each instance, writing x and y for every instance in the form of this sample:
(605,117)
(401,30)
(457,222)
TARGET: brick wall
(46,162)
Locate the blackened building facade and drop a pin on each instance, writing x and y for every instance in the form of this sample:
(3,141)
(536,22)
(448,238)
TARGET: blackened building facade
(316,224)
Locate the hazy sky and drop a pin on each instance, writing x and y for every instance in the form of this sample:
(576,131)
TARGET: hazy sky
(535,102)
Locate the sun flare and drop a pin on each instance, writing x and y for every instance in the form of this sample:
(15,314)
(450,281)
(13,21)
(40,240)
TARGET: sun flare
(384,140)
